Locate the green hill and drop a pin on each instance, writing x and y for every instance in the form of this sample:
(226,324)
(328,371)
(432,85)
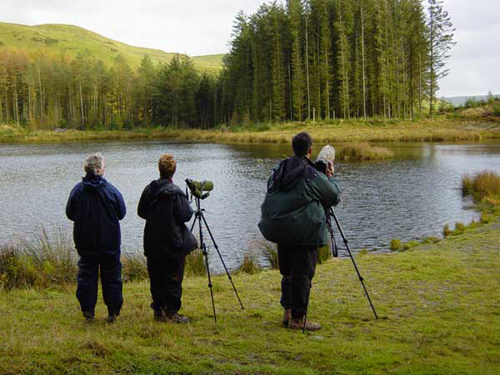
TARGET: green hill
(72,40)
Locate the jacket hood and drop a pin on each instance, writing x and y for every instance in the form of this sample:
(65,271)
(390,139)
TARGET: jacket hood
(289,172)
(93,181)
(164,187)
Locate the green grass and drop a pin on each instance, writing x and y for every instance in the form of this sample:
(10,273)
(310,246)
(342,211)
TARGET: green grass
(439,305)
(347,132)
(71,40)
(484,187)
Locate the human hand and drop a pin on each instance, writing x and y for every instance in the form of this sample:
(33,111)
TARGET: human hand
(330,169)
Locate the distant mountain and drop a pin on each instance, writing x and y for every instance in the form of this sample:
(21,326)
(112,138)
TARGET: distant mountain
(460,100)
(72,40)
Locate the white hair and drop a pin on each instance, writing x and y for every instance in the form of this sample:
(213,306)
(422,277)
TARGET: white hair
(94,164)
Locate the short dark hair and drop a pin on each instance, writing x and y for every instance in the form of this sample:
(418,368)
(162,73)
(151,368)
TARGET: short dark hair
(301,144)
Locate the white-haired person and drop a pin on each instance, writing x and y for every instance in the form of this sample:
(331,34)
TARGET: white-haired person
(96,208)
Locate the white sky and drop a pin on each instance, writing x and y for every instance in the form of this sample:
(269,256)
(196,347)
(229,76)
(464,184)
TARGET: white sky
(202,27)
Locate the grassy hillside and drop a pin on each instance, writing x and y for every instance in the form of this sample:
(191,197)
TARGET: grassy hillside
(71,40)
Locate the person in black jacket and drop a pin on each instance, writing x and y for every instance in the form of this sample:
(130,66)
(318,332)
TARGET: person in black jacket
(96,207)
(293,216)
(167,240)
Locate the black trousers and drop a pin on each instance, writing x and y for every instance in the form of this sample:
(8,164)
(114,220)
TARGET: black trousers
(111,280)
(165,276)
(297,266)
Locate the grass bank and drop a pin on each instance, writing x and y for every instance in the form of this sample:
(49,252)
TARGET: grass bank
(443,128)
(439,302)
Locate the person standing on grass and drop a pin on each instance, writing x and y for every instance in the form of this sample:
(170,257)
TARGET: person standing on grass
(167,240)
(294,217)
(96,208)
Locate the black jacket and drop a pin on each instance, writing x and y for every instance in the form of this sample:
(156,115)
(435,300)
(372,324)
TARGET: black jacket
(293,212)
(166,209)
(96,207)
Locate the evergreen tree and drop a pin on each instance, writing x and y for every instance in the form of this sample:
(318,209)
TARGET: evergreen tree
(440,39)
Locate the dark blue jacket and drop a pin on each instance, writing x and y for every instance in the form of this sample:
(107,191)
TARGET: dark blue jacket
(96,207)
(165,208)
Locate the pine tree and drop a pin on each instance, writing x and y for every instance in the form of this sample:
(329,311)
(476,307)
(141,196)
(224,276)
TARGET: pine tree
(441,41)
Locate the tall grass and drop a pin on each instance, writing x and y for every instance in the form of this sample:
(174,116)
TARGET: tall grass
(484,187)
(270,253)
(43,262)
(250,263)
(363,151)
(195,264)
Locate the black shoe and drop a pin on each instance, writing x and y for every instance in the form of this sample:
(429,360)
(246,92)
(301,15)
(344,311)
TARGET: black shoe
(89,316)
(111,319)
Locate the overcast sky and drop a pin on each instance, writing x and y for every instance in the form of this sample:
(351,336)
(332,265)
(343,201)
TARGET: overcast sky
(202,27)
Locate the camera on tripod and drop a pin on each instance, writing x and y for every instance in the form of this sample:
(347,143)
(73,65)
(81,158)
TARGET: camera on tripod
(200,189)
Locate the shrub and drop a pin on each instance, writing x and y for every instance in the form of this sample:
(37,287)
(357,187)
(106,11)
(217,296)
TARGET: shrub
(459,228)
(324,254)
(430,240)
(446,231)
(134,268)
(363,151)
(496,109)
(395,244)
(270,253)
(484,187)
(250,264)
(486,217)
(195,264)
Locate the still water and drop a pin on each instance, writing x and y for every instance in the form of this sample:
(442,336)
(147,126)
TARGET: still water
(409,197)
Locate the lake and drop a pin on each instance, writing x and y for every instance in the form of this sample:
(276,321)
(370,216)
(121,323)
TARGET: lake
(410,197)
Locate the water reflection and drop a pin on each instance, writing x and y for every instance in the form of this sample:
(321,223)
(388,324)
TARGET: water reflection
(409,197)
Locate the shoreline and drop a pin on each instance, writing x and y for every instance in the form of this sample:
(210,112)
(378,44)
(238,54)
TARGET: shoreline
(340,131)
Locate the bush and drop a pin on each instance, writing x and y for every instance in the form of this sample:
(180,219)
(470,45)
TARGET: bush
(496,109)
(484,187)
(134,268)
(250,264)
(270,253)
(395,244)
(363,151)
(459,228)
(42,263)
(195,264)
(324,254)
(446,231)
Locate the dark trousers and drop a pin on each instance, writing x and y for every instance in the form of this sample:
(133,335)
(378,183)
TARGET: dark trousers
(165,276)
(111,280)
(297,266)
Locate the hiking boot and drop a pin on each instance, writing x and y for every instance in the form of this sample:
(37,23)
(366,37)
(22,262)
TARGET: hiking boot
(299,324)
(111,318)
(89,316)
(287,316)
(177,318)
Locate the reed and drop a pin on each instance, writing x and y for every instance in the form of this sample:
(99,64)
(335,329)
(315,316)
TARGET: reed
(484,187)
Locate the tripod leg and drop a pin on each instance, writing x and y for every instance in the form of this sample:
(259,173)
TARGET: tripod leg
(221,259)
(205,254)
(332,212)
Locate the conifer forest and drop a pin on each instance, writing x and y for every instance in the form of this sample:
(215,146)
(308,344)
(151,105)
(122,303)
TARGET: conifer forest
(290,61)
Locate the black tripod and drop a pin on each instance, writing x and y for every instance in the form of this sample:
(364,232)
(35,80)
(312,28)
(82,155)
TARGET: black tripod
(198,216)
(330,214)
